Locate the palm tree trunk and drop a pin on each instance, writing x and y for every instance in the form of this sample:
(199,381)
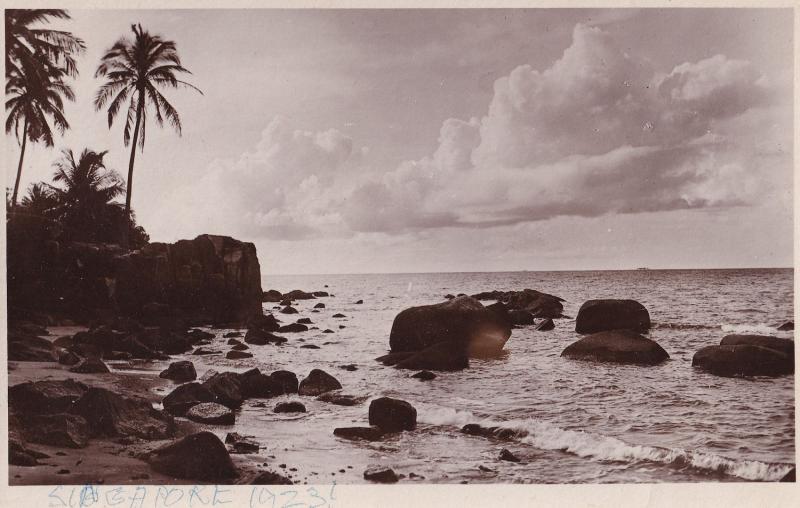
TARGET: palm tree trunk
(126,227)
(19,167)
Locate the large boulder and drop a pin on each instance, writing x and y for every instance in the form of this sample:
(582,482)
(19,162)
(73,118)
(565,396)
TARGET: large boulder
(254,384)
(227,389)
(535,303)
(46,397)
(440,356)
(111,414)
(371,433)
(60,429)
(604,315)
(286,381)
(272,296)
(392,415)
(298,294)
(211,413)
(461,322)
(182,398)
(200,456)
(91,365)
(785,346)
(318,382)
(743,360)
(26,347)
(181,372)
(618,346)
(258,337)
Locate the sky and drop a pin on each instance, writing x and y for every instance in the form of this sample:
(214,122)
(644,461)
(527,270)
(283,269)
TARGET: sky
(370,141)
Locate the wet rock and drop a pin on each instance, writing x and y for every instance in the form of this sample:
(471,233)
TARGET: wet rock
(231,335)
(442,356)
(286,302)
(474,429)
(321,294)
(182,398)
(320,305)
(424,375)
(264,322)
(606,315)
(270,478)
(254,384)
(619,346)
(227,389)
(245,446)
(743,361)
(785,346)
(328,330)
(240,347)
(508,456)
(338,315)
(110,414)
(23,347)
(61,429)
(538,304)
(297,294)
(237,355)
(520,317)
(371,433)
(203,352)
(545,326)
(380,474)
(392,415)
(462,323)
(46,397)
(181,372)
(290,407)
(359,302)
(271,296)
(234,342)
(349,367)
(66,357)
(200,456)
(260,338)
(195,335)
(286,381)
(293,328)
(304,321)
(117,356)
(318,382)
(787,326)
(340,399)
(309,346)
(288,309)
(211,413)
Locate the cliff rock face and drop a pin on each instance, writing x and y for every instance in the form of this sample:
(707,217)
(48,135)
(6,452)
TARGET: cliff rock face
(208,279)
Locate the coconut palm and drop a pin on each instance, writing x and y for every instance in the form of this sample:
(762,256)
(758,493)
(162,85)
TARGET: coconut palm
(84,190)
(40,200)
(135,70)
(27,44)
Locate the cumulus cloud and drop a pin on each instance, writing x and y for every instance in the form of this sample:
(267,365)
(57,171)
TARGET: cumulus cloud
(599,131)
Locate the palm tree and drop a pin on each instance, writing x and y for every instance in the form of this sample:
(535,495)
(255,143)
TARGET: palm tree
(85,195)
(37,61)
(135,70)
(31,101)
(40,200)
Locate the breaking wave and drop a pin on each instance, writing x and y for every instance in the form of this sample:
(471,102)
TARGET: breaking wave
(546,436)
(758,328)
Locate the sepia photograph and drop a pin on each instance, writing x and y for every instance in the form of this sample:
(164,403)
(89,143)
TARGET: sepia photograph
(277,246)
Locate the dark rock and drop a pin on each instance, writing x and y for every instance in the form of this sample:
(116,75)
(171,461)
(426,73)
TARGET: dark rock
(45,397)
(309,346)
(606,315)
(254,384)
(264,322)
(286,381)
(371,433)
(743,360)
(785,346)
(227,389)
(200,456)
(393,358)
(328,330)
(392,415)
(91,365)
(240,347)
(110,414)
(545,326)
(318,382)
(340,399)
(66,357)
(293,328)
(321,294)
(237,355)
(29,328)
(245,446)
(520,317)
(440,356)
(298,295)
(791,476)
(380,474)
(474,429)
(787,326)
(270,478)
(181,372)
(61,429)
(260,338)
(117,356)
(507,455)
(195,335)
(349,367)
(338,315)
(448,296)
(286,302)
(24,347)
(424,375)
(211,413)
(288,310)
(359,302)
(540,305)
(231,335)
(304,321)
(618,346)
(203,352)
(234,342)
(290,407)
(271,296)
(320,305)
(182,398)
(464,323)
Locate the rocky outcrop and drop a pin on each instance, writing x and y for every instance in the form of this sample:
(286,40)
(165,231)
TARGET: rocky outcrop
(62,429)
(200,456)
(605,315)
(226,388)
(26,347)
(619,346)
(528,301)
(110,414)
(441,356)
(182,398)
(392,415)
(785,346)
(463,324)
(180,372)
(318,382)
(90,365)
(743,360)
(46,397)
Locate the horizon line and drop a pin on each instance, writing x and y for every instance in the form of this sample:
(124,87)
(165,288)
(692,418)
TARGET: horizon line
(642,269)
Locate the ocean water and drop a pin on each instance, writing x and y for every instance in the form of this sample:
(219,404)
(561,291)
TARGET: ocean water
(576,422)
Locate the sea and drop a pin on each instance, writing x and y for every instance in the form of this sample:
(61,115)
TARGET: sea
(574,421)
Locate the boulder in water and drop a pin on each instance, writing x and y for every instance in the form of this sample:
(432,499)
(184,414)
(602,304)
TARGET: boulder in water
(380,474)
(181,372)
(288,309)
(110,414)
(237,355)
(424,375)
(25,347)
(254,384)
(271,296)
(743,360)
(440,356)
(46,397)
(259,337)
(785,346)
(200,456)
(618,346)
(392,415)
(61,429)
(787,326)
(293,328)
(211,413)
(286,381)
(318,382)
(538,304)
(270,478)
(182,398)
(545,326)
(320,305)
(520,317)
(227,389)
(371,433)
(606,315)
(508,456)
(290,407)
